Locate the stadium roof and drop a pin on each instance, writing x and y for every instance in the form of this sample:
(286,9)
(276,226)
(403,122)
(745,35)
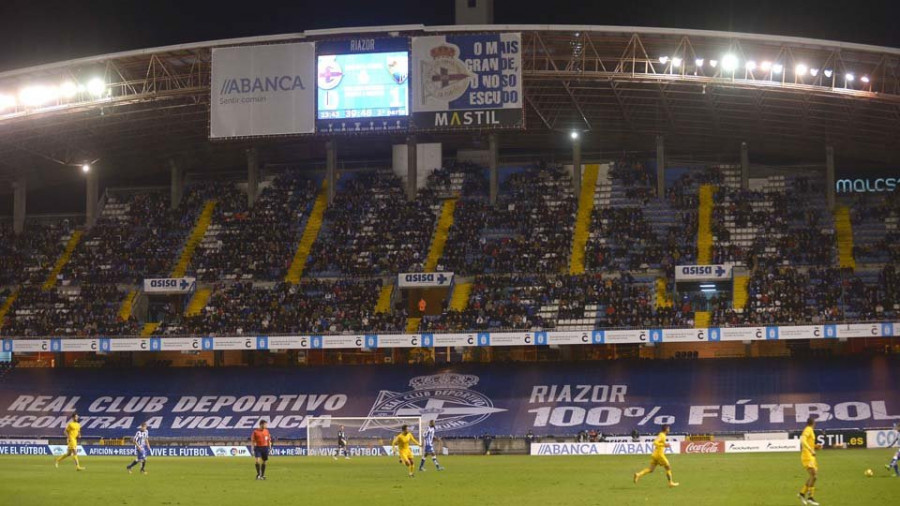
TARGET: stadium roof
(619,85)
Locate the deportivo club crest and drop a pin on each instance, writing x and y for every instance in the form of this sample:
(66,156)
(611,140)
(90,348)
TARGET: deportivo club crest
(446,77)
(445,398)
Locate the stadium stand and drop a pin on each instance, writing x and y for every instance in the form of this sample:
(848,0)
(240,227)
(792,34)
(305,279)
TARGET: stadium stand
(528,231)
(85,310)
(258,243)
(313,306)
(373,229)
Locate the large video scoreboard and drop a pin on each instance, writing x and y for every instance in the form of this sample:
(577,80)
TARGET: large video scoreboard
(368,84)
(362,85)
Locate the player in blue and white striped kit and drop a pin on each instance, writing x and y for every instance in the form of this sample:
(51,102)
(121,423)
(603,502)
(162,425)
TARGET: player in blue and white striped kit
(893,466)
(141,442)
(428,442)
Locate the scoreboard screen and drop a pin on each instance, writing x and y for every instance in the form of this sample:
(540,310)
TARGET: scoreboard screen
(366,85)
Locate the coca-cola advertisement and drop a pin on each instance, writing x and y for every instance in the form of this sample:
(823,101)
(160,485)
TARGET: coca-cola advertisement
(703,447)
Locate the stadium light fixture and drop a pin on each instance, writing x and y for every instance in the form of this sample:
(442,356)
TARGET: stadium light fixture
(777,68)
(801,69)
(729,62)
(663,59)
(7,102)
(750,66)
(574,135)
(713,63)
(676,62)
(698,62)
(34,96)
(849,77)
(765,66)
(814,72)
(68,89)
(864,79)
(828,72)
(96,87)
(86,168)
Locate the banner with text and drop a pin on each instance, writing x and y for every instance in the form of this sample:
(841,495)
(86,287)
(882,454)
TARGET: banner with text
(463,400)
(467,81)
(170,285)
(262,90)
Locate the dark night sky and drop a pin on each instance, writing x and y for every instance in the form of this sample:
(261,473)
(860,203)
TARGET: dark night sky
(35,31)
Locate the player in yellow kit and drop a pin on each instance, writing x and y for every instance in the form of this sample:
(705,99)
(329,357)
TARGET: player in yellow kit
(401,445)
(73,432)
(658,458)
(808,449)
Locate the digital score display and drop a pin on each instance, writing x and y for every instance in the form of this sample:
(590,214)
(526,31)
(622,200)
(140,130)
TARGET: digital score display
(362,85)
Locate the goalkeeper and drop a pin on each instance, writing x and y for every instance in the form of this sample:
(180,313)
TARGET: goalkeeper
(401,447)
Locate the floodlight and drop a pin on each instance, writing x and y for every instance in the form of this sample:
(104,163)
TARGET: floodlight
(800,69)
(7,102)
(86,168)
(765,66)
(96,87)
(713,63)
(574,135)
(663,59)
(864,79)
(777,68)
(729,62)
(750,66)
(676,62)
(698,62)
(68,89)
(34,96)
(814,72)
(849,77)
(828,72)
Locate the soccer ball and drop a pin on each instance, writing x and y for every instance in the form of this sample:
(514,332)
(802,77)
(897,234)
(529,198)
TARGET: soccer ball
(869,473)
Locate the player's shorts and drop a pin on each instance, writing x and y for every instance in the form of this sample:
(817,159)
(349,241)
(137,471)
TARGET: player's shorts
(428,449)
(659,460)
(406,455)
(72,444)
(261,452)
(809,462)
(342,443)
(142,452)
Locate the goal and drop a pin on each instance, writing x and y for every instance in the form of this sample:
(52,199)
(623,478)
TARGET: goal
(366,435)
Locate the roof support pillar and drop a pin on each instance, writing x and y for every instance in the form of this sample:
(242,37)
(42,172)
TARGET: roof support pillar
(660,167)
(494,167)
(412,173)
(20,188)
(745,166)
(576,165)
(829,176)
(92,196)
(177,184)
(252,176)
(331,168)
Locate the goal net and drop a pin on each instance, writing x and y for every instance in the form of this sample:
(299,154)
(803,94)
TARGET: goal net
(366,435)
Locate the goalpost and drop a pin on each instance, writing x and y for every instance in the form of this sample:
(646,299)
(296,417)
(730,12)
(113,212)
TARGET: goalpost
(362,432)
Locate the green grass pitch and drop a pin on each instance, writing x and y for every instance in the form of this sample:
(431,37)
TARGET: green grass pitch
(722,480)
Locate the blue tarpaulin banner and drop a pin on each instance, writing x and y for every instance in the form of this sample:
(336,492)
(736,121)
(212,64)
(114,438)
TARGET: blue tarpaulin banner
(464,400)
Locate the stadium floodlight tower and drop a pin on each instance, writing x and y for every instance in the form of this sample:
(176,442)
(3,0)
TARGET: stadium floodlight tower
(363,433)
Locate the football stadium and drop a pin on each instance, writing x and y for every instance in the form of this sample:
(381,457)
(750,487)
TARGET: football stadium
(462,264)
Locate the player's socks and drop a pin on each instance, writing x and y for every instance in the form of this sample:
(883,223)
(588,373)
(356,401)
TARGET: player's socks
(263,470)
(143,466)
(438,466)
(669,476)
(77,464)
(422,464)
(257,471)
(804,490)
